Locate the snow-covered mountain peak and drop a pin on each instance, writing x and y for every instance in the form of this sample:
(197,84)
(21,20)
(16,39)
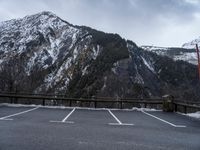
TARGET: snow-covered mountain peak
(41,15)
(39,21)
(41,18)
(45,13)
(152,48)
(17,33)
(192,44)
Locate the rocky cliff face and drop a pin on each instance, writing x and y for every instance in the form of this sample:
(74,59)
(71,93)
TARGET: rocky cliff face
(44,54)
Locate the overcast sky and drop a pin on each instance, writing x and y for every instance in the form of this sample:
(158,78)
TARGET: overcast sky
(146,22)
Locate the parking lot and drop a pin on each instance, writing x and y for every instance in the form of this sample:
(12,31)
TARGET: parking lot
(42,128)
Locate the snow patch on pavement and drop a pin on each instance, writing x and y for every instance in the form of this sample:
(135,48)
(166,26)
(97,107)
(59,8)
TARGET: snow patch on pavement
(145,109)
(85,108)
(193,115)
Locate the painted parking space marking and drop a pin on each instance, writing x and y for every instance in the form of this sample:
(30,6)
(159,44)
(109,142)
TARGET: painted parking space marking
(65,119)
(118,121)
(16,114)
(177,126)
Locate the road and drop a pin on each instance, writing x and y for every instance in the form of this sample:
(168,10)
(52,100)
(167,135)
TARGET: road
(31,128)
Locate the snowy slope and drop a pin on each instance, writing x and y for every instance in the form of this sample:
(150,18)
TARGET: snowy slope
(45,43)
(156,49)
(186,54)
(191,44)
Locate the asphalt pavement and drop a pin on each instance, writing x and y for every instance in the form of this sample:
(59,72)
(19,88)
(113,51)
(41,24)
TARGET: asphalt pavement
(36,128)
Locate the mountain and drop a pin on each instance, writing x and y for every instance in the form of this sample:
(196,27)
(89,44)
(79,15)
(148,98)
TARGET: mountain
(191,44)
(42,53)
(176,53)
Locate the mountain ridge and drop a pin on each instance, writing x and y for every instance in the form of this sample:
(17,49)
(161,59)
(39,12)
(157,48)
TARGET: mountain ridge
(176,53)
(191,44)
(48,55)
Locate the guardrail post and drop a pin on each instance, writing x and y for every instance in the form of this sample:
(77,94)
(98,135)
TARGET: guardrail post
(175,107)
(95,102)
(16,100)
(70,103)
(11,100)
(121,104)
(43,102)
(185,109)
(145,105)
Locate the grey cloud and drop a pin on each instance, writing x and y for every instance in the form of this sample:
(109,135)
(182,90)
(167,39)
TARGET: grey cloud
(155,22)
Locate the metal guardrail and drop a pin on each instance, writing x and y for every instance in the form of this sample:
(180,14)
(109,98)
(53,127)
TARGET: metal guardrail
(119,101)
(186,106)
(187,102)
(93,100)
(32,94)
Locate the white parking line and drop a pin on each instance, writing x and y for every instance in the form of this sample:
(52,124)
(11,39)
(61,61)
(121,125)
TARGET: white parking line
(177,126)
(7,119)
(115,117)
(23,112)
(68,115)
(65,119)
(118,121)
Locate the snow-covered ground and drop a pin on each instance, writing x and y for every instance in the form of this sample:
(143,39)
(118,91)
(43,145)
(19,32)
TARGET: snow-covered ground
(194,115)
(66,107)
